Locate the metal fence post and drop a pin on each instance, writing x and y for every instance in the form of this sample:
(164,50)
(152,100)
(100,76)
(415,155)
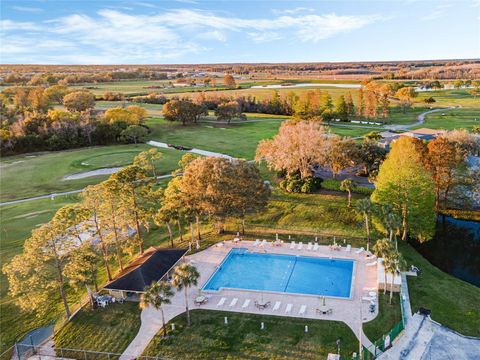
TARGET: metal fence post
(18,352)
(85,354)
(61,352)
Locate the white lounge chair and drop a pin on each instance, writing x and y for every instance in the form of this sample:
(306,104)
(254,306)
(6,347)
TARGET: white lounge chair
(315,247)
(292,245)
(221,302)
(349,248)
(309,246)
(276,306)
(369,298)
(373,263)
(302,310)
(300,245)
(359,251)
(369,289)
(246,303)
(233,302)
(255,244)
(262,244)
(288,309)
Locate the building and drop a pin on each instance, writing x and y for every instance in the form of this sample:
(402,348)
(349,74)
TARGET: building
(421,134)
(424,133)
(155,264)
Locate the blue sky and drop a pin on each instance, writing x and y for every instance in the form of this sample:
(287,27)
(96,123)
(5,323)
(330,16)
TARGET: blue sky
(196,31)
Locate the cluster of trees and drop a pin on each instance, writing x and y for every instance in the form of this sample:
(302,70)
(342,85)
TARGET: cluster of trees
(417,179)
(214,189)
(112,217)
(30,123)
(188,111)
(300,146)
(67,250)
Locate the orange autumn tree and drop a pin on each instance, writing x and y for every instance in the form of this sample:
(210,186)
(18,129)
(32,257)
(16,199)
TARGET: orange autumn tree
(296,147)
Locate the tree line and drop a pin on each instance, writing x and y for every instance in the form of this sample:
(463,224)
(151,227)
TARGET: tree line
(29,121)
(112,217)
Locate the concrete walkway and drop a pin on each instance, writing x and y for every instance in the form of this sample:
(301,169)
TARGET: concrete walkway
(425,339)
(352,311)
(407,308)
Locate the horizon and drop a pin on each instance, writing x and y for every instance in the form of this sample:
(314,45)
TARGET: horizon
(188,32)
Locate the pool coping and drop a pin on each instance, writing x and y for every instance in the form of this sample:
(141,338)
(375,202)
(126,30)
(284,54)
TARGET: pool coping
(352,282)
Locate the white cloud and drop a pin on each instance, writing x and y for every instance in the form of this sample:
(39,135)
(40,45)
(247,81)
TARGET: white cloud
(26,9)
(113,36)
(262,37)
(292,11)
(9,25)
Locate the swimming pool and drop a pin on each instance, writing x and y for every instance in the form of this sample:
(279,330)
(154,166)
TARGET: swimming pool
(242,269)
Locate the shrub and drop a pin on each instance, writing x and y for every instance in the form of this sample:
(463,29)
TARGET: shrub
(295,184)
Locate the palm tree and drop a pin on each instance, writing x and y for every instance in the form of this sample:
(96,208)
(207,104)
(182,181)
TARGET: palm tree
(185,276)
(390,220)
(348,185)
(157,295)
(382,249)
(393,222)
(365,208)
(393,264)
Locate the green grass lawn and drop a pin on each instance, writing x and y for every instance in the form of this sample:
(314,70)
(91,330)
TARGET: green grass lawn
(461,118)
(108,329)
(352,131)
(454,303)
(322,213)
(239,140)
(388,316)
(38,174)
(283,338)
(446,98)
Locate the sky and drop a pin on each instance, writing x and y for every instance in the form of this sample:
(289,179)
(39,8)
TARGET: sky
(229,31)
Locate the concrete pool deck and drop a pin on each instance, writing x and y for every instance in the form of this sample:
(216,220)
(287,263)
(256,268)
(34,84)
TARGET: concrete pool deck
(352,311)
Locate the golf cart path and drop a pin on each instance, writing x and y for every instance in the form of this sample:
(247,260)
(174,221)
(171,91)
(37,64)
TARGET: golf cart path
(53,195)
(420,119)
(110,171)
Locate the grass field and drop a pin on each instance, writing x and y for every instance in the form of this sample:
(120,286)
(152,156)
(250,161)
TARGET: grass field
(282,338)
(388,316)
(29,175)
(461,118)
(453,302)
(322,213)
(108,329)
(239,140)
(446,98)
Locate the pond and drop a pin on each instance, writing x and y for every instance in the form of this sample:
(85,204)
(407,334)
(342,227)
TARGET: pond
(455,248)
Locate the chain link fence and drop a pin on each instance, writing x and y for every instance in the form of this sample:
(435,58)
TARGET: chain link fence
(28,351)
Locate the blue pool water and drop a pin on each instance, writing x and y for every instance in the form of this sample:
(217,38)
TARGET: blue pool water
(283,273)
